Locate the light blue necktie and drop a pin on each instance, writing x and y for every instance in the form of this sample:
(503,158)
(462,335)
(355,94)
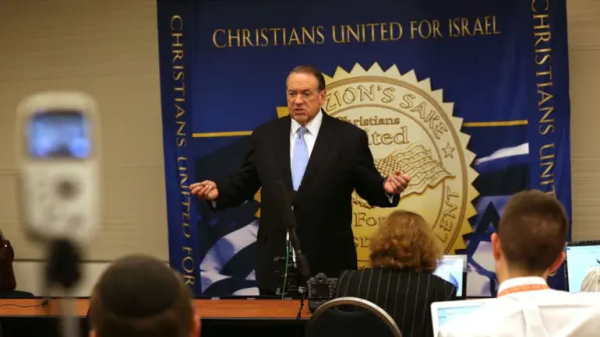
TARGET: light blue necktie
(299,158)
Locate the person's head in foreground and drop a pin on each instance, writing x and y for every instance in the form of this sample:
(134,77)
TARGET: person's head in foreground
(405,241)
(531,236)
(141,296)
(591,282)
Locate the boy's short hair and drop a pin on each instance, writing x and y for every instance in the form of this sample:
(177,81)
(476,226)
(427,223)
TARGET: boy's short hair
(533,230)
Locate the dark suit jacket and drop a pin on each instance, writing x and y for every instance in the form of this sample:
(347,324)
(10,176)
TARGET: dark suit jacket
(406,295)
(340,162)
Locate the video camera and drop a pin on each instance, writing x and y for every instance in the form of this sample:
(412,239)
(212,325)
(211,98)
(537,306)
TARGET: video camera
(58,154)
(320,290)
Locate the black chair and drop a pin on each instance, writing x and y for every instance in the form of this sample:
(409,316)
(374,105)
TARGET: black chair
(349,317)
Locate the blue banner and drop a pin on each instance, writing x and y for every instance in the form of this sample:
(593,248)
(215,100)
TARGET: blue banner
(469,97)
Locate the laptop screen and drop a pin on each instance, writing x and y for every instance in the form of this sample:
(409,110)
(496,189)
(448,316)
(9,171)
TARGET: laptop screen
(447,314)
(451,269)
(581,257)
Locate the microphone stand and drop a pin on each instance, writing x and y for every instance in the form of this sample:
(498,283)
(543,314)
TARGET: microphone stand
(290,279)
(63,270)
(289,221)
(303,272)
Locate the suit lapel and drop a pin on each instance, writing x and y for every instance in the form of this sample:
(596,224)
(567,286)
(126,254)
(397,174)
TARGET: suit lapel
(282,151)
(319,152)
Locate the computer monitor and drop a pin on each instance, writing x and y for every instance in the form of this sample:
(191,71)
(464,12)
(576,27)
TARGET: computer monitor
(443,313)
(453,269)
(581,257)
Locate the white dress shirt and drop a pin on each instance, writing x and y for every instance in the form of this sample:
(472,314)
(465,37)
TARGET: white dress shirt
(535,313)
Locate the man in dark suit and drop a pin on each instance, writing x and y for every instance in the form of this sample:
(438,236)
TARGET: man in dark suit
(321,161)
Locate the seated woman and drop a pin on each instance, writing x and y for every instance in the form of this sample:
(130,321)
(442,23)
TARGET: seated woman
(404,254)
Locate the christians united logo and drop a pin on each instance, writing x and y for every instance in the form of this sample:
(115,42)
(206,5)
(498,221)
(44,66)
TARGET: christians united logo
(410,129)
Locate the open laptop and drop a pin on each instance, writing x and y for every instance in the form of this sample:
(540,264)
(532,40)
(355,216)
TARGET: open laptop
(444,312)
(453,269)
(581,257)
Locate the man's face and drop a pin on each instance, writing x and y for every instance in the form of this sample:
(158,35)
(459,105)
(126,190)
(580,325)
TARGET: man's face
(303,97)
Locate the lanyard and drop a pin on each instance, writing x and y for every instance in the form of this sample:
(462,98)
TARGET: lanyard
(523,288)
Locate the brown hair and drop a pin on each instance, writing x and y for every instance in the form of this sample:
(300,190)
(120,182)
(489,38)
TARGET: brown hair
(311,70)
(533,231)
(140,296)
(405,240)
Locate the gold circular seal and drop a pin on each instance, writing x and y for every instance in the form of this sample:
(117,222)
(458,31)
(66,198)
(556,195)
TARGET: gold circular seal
(410,129)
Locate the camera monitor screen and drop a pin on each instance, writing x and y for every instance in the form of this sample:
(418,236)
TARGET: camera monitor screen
(581,257)
(59,135)
(320,290)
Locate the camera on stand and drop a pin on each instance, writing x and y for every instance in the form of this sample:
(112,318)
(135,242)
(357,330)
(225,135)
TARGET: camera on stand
(320,290)
(58,153)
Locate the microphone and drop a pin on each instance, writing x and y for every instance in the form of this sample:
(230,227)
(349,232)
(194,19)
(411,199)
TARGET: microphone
(289,221)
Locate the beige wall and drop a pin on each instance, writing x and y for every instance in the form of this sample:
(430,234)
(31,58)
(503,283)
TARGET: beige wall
(109,48)
(584,64)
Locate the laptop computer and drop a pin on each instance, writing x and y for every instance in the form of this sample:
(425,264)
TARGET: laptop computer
(581,257)
(453,269)
(443,313)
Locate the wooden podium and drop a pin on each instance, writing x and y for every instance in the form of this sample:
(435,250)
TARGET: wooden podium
(207,309)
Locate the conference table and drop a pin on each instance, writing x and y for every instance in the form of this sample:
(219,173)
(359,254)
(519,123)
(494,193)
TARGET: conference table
(220,317)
